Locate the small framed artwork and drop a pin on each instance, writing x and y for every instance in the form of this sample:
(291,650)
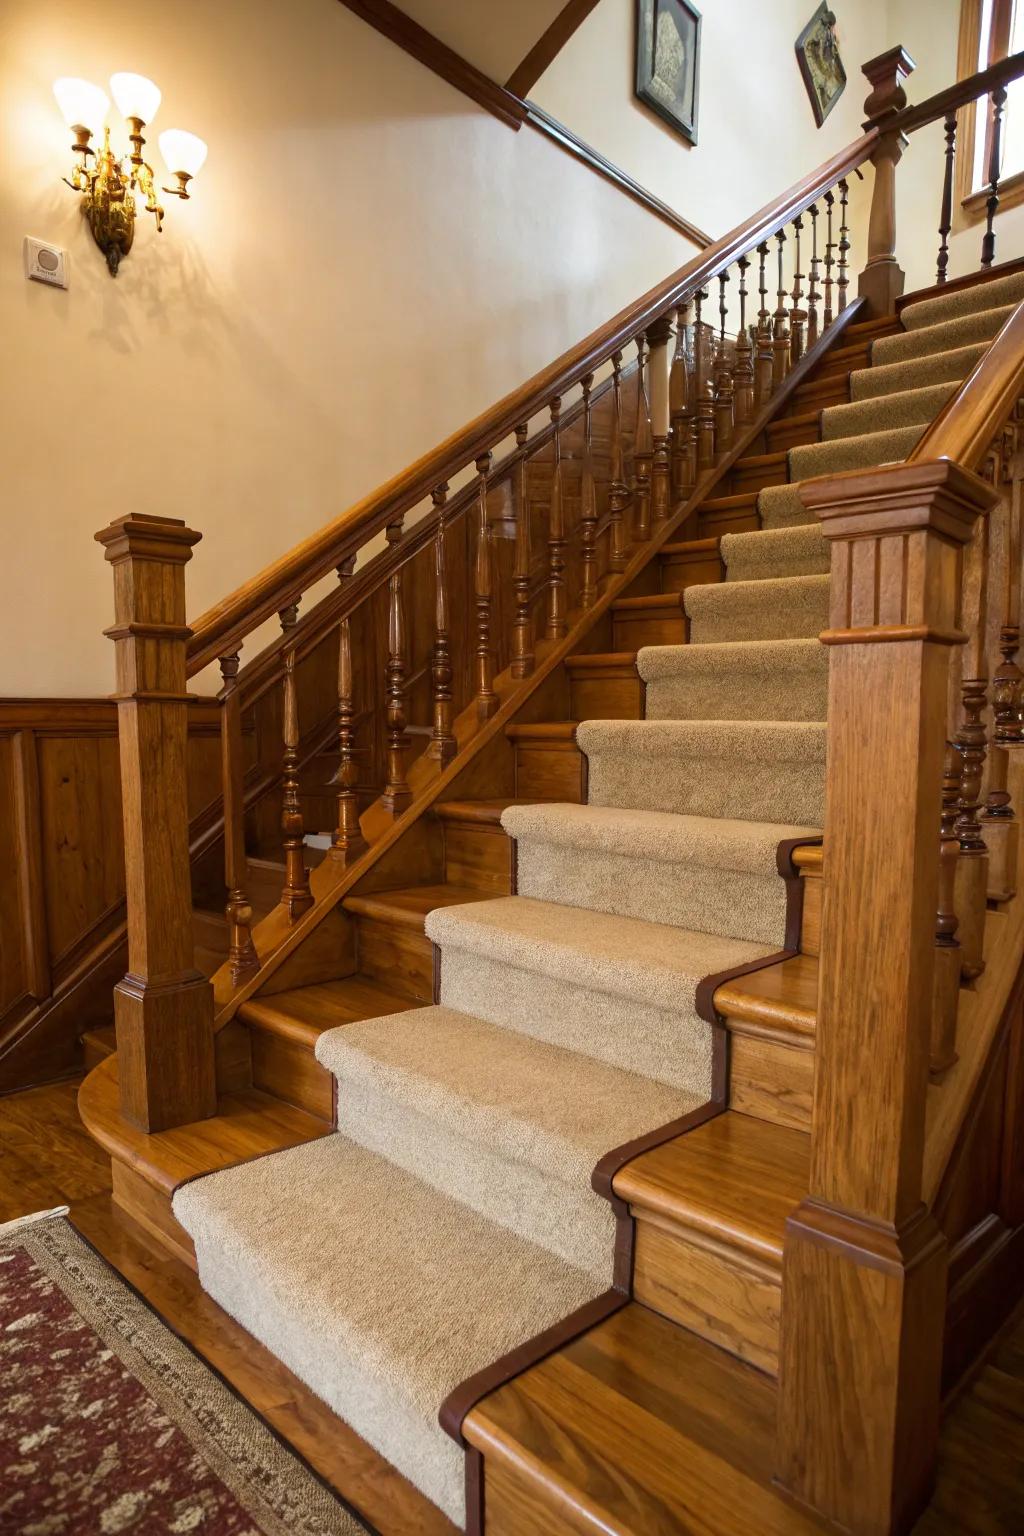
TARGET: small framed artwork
(668,61)
(817,52)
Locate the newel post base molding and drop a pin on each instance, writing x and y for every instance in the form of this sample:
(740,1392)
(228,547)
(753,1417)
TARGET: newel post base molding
(883,279)
(864,1269)
(163,1008)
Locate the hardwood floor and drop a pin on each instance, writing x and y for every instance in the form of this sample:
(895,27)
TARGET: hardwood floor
(47,1159)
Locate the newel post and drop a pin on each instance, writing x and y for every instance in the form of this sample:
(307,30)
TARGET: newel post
(881,282)
(864,1270)
(163,1007)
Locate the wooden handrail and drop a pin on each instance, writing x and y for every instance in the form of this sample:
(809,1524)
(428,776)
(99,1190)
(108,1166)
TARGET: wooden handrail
(958,95)
(225,626)
(965,427)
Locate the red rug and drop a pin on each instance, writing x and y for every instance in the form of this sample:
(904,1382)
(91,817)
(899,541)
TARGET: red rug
(111,1426)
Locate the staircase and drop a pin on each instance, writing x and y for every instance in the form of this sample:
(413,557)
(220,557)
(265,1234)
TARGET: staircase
(534,1045)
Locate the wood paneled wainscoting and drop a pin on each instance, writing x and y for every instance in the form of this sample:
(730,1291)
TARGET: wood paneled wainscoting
(62,913)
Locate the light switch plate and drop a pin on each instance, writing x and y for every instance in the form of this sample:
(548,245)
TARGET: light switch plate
(46,263)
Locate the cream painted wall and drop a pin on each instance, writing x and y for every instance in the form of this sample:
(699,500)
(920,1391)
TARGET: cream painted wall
(756,132)
(496,38)
(368,261)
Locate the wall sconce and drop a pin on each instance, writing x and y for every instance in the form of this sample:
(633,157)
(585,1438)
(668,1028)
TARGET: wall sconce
(114,189)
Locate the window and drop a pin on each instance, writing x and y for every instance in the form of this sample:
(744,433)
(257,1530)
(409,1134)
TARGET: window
(990,30)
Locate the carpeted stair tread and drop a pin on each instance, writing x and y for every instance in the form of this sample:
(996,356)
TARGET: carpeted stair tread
(775,552)
(619,956)
(910,407)
(614,988)
(938,368)
(378,1291)
(980,325)
(714,875)
(529,1101)
(786,608)
(736,680)
(779,506)
(749,770)
(995,293)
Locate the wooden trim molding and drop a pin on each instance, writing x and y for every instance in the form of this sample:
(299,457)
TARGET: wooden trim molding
(564,137)
(526,74)
(444,61)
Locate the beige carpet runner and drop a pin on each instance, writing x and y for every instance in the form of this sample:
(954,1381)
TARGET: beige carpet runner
(452,1218)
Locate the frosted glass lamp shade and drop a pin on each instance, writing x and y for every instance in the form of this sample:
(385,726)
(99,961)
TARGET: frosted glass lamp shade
(83,105)
(135,96)
(182,152)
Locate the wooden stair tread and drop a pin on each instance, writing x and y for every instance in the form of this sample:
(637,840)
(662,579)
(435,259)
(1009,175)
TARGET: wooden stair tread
(410,904)
(600,661)
(303,1013)
(651,600)
(543,730)
(784,996)
(741,500)
(734,1178)
(759,461)
(708,546)
(481,813)
(247,1124)
(641,1428)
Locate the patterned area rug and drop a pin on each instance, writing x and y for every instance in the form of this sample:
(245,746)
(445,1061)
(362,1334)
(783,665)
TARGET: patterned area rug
(109,1424)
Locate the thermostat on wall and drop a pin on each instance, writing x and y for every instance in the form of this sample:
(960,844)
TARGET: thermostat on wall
(45,262)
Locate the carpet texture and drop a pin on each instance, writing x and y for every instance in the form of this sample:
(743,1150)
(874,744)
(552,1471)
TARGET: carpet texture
(110,1424)
(452,1216)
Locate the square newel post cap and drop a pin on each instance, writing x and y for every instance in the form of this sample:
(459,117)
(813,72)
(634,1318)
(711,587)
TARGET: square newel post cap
(139,536)
(931,494)
(886,74)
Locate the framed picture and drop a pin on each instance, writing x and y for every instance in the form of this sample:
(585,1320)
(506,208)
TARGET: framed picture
(668,61)
(817,52)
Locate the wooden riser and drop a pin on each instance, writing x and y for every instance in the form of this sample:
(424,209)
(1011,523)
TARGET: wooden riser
(757,472)
(792,431)
(692,564)
(659,619)
(606,687)
(710,1211)
(548,763)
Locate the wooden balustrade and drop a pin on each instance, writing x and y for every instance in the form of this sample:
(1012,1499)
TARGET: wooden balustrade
(643,449)
(397,794)
(443,745)
(483,587)
(588,503)
(658,337)
(743,384)
(723,379)
(680,400)
(556,625)
(618,490)
(988,242)
(948,959)
(242,957)
(780,320)
(296,896)
(946,210)
(797,314)
(883,278)
(522,631)
(348,841)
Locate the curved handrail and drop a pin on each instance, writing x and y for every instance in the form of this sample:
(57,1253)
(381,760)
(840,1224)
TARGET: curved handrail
(965,427)
(225,625)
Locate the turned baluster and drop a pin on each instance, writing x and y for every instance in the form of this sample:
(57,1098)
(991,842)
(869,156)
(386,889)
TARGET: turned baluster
(588,503)
(780,325)
(1001,829)
(443,746)
(946,976)
(556,625)
(704,386)
(397,793)
(763,360)
(643,451)
(797,315)
(242,957)
(393,530)
(486,698)
(296,896)
(658,336)
(723,379)
(843,278)
(680,408)
(813,296)
(348,841)
(618,490)
(946,211)
(988,244)
(972,866)
(289,615)
(828,316)
(346,568)
(522,629)
(743,382)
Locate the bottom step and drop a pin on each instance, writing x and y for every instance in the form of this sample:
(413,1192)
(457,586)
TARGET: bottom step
(637,1427)
(380,1293)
